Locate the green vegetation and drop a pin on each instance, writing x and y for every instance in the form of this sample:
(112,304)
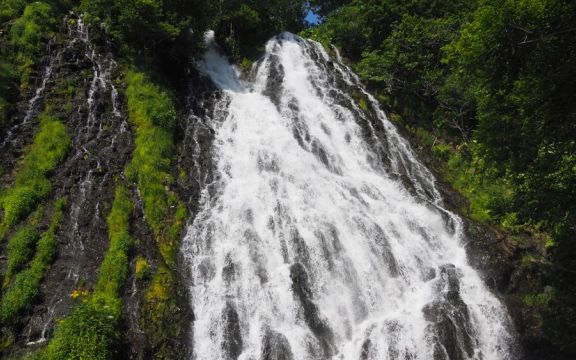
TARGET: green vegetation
(20,249)
(31,185)
(11,9)
(242,27)
(142,269)
(151,112)
(92,330)
(25,286)
(488,87)
(28,36)
(146,23)
(21,42)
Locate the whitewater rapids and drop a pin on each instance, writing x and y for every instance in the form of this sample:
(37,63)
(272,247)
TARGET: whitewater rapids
(322,236)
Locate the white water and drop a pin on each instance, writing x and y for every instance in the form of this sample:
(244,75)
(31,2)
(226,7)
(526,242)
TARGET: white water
(96,132)
(32,107)
(374,251)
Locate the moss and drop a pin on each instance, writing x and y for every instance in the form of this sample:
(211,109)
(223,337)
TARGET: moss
(19,250)
(246,64)
(153,115)
(360,99)
(4,105)
(26,283)
(142,269)
(151,112)
(541,300)
(28,34)
(6,339)
(49,148)
(93,328)
(160,314)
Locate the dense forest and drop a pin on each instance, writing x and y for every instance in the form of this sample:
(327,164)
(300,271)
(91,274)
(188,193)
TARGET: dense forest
(486,89)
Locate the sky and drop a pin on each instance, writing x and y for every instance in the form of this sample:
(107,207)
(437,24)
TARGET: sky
(312,18)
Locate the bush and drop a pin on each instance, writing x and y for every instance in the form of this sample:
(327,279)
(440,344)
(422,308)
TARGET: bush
(28,35)
(88,333)
(11,8)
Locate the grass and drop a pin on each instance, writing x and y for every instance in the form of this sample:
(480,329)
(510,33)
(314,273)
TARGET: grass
(152,113)
(142,269)
(24,287)
(31,185)
(28,34)
(93,328)
(19,250)
(486,193)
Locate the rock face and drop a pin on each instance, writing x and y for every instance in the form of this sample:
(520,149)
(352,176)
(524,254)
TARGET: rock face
(499,256)
(77,84)
(79,81)
(291,249)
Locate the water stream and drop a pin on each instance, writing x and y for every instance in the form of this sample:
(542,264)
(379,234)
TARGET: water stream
(100,148)
(321,235)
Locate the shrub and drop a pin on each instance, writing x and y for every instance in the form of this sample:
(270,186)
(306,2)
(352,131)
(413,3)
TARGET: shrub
(28,35)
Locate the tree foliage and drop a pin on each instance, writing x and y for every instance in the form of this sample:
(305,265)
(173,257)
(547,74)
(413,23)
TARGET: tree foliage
(243,26)
(496,78)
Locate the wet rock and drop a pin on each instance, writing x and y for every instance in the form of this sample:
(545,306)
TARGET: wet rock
(232,338)
(275,346)
(230,269)
(301,251)
(206,270)
(311,312)
(275,79)
(450,320)
(365,353)
(385,249)
(428,274)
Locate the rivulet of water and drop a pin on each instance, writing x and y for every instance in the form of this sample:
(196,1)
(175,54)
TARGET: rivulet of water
(100,148)
(322,236)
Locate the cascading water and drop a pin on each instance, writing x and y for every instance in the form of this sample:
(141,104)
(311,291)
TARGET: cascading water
(100,148)
(321,235)
(32,106)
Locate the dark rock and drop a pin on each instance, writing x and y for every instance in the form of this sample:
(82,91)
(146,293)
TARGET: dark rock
(232,338)
(275,346)
(303,292)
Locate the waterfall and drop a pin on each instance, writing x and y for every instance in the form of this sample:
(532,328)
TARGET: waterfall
(320,234)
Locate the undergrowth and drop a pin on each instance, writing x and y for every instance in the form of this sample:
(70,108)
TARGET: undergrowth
(26,283)
(31,185)
(92,330)
(152,113)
